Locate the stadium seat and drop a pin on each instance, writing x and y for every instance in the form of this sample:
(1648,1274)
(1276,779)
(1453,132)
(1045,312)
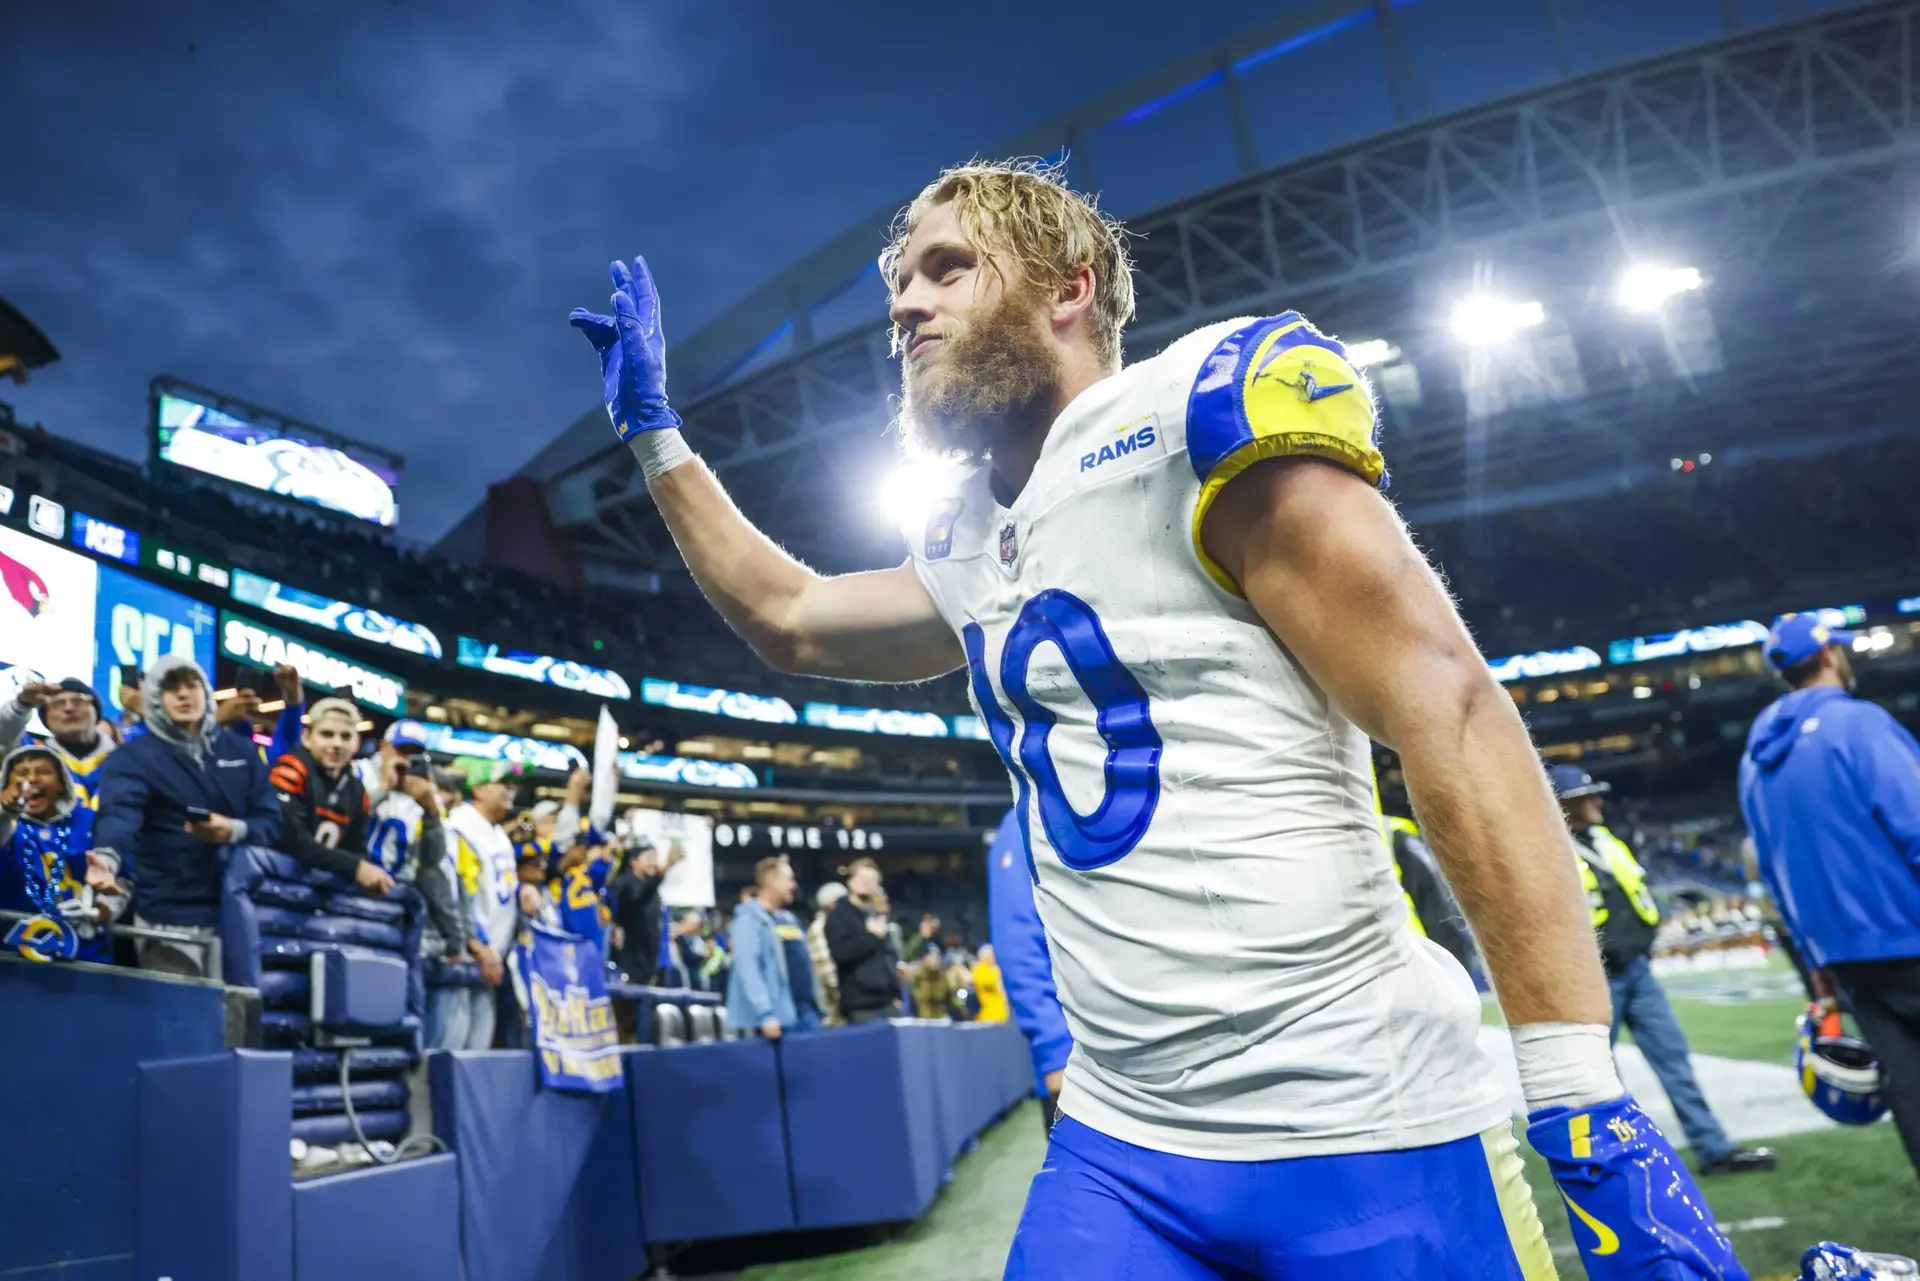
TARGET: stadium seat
(328,963)
(701,1024)
(669,1025)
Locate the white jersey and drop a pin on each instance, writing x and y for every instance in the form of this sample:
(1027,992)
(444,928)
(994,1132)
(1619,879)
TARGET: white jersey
(484,855)
(1228,936)
(393,831)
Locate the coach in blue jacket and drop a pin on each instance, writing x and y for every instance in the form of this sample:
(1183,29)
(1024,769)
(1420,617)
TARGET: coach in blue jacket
(1026,967)
(171,800)
(1831,789)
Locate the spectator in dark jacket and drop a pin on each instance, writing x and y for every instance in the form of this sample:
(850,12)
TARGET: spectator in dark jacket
(324,806)
(170,801)
(635,896)
(857,937)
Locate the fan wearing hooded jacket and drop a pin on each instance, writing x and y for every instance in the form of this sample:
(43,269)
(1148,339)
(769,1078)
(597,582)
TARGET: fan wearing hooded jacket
(151,793)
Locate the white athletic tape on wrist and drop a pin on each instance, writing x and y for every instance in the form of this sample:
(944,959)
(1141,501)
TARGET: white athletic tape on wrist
(659,452)
(1566,1065)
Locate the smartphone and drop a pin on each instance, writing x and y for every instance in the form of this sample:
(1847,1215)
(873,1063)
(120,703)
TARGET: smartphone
(130,675)
(420,766)
(198,815)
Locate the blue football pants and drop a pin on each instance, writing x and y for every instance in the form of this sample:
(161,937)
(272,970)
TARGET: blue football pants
(1104,1210)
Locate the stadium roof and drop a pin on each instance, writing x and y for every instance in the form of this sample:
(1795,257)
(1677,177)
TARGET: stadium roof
(22,345)
(1778,162)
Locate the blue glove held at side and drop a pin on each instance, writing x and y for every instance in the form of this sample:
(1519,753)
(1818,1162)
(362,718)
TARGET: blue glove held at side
(1637,1214)
(633,352)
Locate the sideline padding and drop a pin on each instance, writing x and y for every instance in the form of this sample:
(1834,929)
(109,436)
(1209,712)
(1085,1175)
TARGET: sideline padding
(398,1223)
(708,1138)
(216,1196)
(524,1156)
(881,1160)
(74,1033)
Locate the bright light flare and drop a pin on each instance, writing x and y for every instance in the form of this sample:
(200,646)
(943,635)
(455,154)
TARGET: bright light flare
(910,493)
(1485,321)
(1645,286)
(1371,351)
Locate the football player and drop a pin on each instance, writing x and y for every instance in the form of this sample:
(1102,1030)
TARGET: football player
(1184,607)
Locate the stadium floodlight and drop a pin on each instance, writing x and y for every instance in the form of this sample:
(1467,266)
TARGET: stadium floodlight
(915,486)
(1646,286)
(1371,351)
(1484,320)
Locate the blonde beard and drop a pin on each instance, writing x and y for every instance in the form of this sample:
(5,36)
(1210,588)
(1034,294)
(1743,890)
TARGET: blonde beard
(998,378)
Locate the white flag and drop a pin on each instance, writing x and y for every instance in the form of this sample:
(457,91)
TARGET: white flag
(606,772)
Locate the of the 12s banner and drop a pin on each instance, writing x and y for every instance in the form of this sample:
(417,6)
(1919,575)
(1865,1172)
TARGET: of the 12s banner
(573,1030)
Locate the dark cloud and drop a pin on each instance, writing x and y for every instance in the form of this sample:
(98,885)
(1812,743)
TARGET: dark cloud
(374,215)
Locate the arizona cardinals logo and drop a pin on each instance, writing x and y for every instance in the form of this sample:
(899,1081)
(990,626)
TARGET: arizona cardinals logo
(25,586)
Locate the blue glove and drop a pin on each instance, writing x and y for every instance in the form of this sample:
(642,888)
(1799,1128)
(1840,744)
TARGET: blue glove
(633,352)
(1830,1262)
(1638,1214)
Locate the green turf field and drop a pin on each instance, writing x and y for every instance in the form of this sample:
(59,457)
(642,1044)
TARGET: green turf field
(1849,1185)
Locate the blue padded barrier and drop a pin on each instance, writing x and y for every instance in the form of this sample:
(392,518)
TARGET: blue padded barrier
(328,1130)
(216,1202)
(709,1144)
(272,892)
(369,1060)
(600,1235)
(280,922)
(285,989)
(878,1162)
(74,1032)
(241,943)
(352,929)
(532,1149)
(395,1223)
(286,954)
(388,911)
(311,1100)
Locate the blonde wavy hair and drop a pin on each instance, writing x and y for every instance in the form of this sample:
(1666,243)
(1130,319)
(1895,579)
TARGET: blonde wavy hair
(1022,212)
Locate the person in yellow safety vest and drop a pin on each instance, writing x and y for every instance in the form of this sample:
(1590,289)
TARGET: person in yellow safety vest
(1626,918)
(1429,902)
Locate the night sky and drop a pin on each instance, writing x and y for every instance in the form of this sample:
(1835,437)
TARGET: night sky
(373,215)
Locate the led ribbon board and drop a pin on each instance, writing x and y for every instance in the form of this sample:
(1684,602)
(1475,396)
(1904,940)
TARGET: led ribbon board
(765,708)
(1546,662)
(246,641)
(543,669)
(877,720)
(1688,640)
(314,610)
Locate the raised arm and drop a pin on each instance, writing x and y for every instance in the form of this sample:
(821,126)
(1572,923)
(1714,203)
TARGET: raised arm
(876,626)
(1331,569)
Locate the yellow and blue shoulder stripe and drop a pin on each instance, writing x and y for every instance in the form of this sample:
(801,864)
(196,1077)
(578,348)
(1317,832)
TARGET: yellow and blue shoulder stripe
(1274,388)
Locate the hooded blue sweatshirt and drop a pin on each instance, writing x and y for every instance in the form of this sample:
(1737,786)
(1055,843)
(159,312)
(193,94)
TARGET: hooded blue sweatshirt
(1831,789)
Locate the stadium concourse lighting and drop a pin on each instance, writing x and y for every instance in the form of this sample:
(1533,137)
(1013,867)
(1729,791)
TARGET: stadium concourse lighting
(1484,320)
(1371,351)
(914,487)
(1645,286)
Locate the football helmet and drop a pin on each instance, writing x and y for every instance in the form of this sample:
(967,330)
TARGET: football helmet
(1837,1071)
(1830,1262)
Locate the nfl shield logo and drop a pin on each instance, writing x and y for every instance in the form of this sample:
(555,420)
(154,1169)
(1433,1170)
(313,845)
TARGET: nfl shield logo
(1009,544)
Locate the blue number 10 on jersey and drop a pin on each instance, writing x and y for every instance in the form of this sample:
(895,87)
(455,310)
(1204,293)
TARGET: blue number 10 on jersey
(1125,723)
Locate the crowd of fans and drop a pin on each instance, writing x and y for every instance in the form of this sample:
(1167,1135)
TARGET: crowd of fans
(104,822)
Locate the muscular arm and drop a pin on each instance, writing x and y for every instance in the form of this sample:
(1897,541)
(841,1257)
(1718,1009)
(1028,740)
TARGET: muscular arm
(1331,569)
(875,626)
